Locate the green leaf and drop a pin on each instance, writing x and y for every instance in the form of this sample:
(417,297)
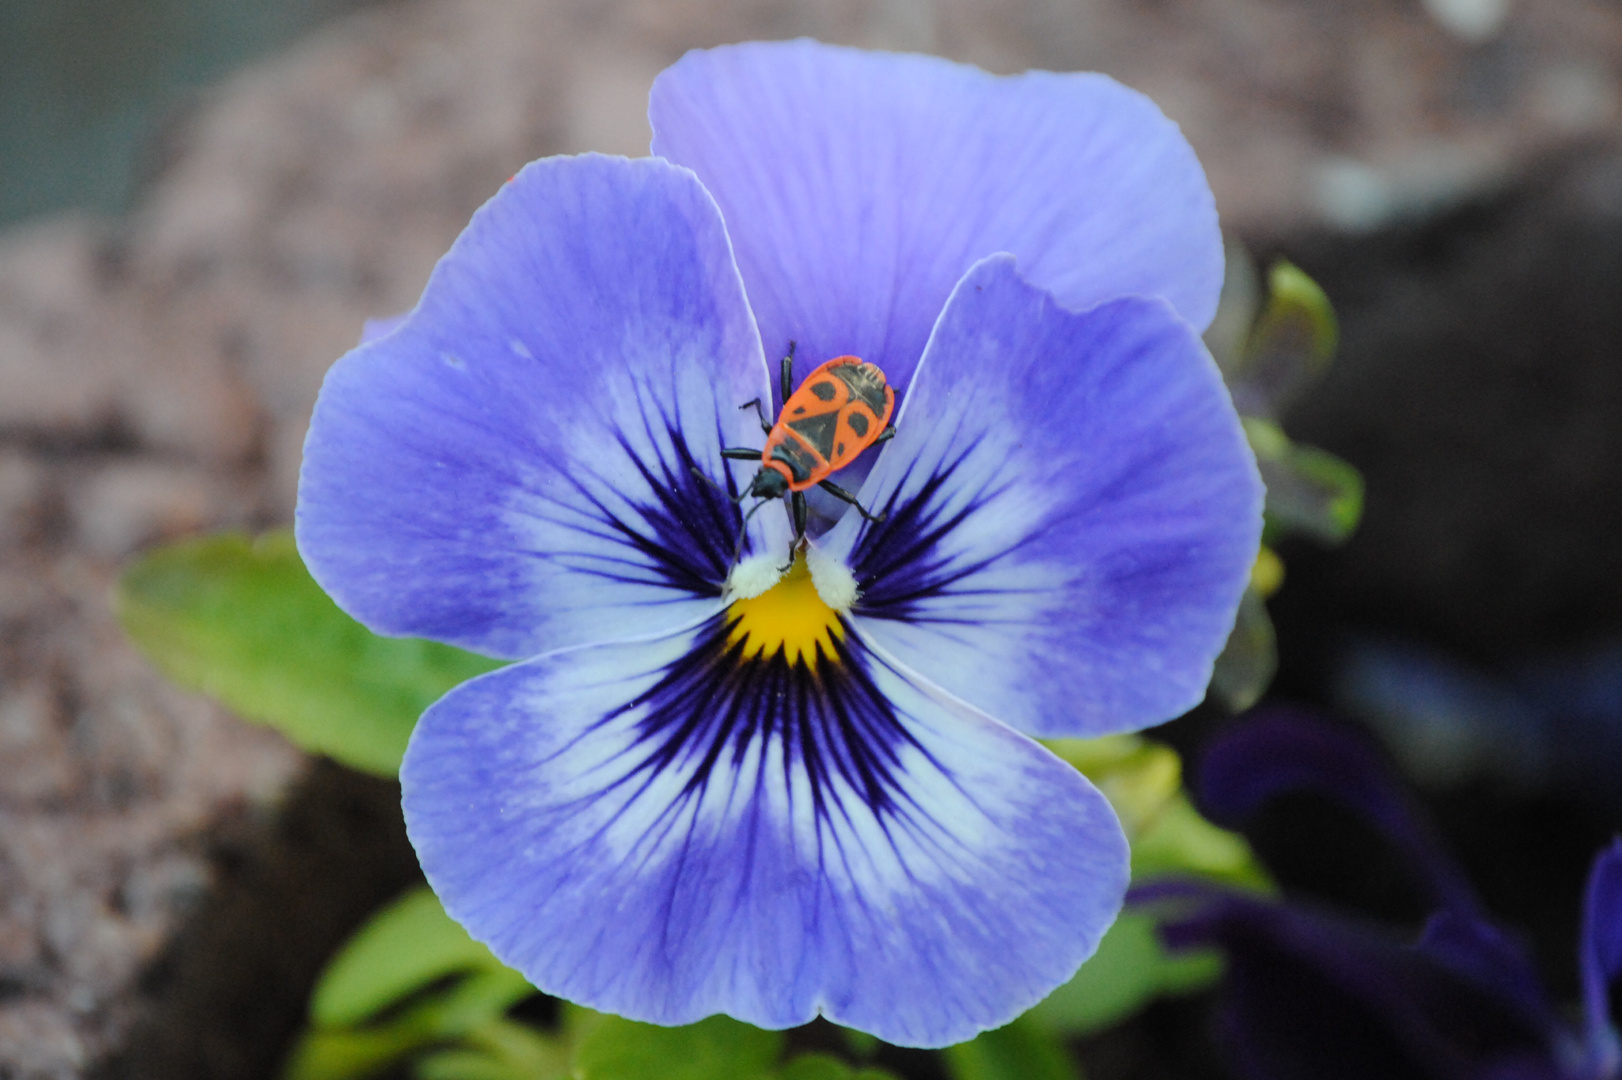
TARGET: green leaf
(499,1050)
(465,1064)
(479,999)
(1023,1050)
(1181,842)
(1229,331)
(1138,777)
(1308,490)
(719,1048)
(1290,345)
(862,1045)
(403,948)
(1249,660)
(243,621)
(472,1006)
(350,1055)
(825,1067)
(1143,782)
(1298,316)
(1129,969)
(814,1067)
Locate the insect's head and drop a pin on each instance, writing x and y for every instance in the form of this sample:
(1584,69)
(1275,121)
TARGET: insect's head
(769,483)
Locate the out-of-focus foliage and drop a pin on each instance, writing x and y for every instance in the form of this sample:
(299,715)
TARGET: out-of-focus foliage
(1023,1050)
(1289,346)
(404,948)
(1250,659)
(1309,491)
(1143,782)
(241,620)
(1269,353)
(611,1048)
(412,987)
(412,980)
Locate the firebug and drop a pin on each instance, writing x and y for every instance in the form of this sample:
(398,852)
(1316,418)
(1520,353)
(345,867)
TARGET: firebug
(841,409)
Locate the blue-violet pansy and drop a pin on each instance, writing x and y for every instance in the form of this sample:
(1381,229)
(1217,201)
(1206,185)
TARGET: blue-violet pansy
(725,779)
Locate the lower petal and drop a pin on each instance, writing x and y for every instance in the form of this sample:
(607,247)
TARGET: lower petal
(669,829)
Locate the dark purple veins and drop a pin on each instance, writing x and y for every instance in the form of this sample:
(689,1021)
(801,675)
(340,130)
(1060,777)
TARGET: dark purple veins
(901,560)
(830,719)
(689,528)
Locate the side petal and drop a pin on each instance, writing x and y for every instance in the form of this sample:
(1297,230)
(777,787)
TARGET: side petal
(373,329)
(859,187)
(511,469)
(1281,749)
(1600,959)
(1308,994)
(1071,512)
(1494,961)
(669,829)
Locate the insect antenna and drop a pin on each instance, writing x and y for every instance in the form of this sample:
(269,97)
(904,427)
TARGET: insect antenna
(710,480)
(743,530)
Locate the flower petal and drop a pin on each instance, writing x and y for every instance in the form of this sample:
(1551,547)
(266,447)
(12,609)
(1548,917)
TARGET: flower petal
(1281,749)
(1600,959)
(1071,512)
(1308,994)
(858,187)
(1492,959)
(511,470)
(667,829)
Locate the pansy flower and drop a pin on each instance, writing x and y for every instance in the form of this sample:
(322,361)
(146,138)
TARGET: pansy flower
(1310,994)
(731,777)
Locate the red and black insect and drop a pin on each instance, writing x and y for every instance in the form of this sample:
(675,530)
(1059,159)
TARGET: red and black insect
(841,409)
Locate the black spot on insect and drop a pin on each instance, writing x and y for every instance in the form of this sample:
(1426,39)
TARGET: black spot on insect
(865,382)
(799,459)
(858,424)
(799,410)
(819,431)
(824,390)
(839,450)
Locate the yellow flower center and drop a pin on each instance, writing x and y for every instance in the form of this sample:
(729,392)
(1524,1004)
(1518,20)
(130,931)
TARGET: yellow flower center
(789,618)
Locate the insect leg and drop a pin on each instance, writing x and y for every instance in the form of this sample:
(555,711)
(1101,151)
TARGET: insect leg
(885,436)
(840,493)
(797,501)
(787,371)
(755,404)
(740,453)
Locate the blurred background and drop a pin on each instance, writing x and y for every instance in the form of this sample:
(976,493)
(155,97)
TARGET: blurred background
(85,87)
(201,200)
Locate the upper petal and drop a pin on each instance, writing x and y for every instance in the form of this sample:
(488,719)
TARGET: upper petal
(1071,512)
(668,829)
(511,469)
(858,187)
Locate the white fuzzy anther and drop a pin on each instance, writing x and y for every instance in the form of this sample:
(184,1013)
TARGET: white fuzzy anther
(832,578)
